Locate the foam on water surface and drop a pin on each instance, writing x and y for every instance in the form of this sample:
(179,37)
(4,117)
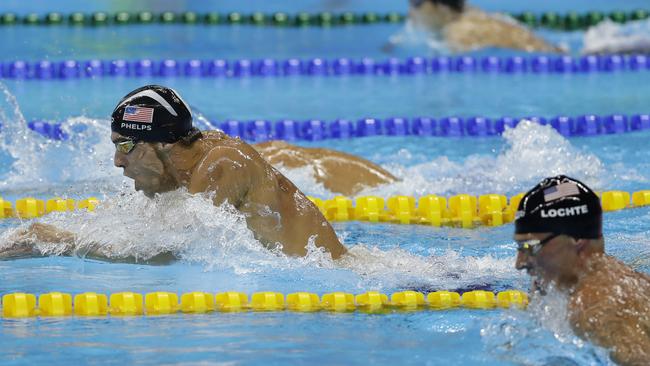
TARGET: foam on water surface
(129,225)
(540,335)
(529,153)
(611,37)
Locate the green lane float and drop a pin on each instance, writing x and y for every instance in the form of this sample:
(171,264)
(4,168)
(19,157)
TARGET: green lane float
(560,21)
(77,19)
(212,18)
(145,17)
(58,304)
(461,210)
(31,19)
(122,18)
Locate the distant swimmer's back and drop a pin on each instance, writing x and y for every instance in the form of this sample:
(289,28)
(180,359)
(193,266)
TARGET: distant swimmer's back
(465,28)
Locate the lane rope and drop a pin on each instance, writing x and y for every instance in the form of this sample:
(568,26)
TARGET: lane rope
(22,305)
(318,129)
(314,67)
(461,210)
(567,22)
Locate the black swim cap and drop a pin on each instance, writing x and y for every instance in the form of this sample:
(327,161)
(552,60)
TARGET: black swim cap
(560,205)
(458,5)
(153,113)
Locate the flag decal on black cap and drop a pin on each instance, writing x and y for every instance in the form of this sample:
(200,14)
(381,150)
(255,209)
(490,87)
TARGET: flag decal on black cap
(560,190)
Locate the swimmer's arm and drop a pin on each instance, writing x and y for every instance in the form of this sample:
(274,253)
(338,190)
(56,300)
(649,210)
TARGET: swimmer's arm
(22,244)
(628,341)
(630,347)
(225,172)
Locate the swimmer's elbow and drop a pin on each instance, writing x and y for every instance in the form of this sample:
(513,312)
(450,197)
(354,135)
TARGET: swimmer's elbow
(626,355)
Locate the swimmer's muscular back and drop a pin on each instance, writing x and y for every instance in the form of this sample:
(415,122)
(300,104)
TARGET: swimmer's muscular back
(338,172)
(478,29)
(473,28)
(611,307)
(276,211)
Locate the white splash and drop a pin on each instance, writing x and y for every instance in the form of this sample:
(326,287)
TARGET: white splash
(531,152)
(133,227)
(539,335)
(397,268)
(39,163)
(412,35)
(610,37)
(16,139)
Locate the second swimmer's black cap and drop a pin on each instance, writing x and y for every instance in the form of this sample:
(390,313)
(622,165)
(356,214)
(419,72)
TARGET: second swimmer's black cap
(153,113)
(560,205)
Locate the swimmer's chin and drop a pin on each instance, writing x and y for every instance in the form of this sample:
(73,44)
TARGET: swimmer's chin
(149,192)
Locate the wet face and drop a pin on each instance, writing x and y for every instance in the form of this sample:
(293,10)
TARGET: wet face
(142,163)
(555,261)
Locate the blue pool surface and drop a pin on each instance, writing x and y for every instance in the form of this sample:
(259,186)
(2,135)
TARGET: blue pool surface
(217,252)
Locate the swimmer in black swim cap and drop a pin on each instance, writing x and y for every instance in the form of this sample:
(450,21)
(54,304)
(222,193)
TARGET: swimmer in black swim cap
(154,113)
(558,231)
(159,149)
(561,205)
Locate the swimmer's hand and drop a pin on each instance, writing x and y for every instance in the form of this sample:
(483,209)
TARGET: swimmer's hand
(22,243)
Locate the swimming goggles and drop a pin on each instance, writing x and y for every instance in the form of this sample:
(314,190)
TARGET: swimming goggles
(417,3)
(533,246)
(125,146)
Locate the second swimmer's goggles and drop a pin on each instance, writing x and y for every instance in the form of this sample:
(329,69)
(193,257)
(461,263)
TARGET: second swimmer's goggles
(125,146)
(533,246)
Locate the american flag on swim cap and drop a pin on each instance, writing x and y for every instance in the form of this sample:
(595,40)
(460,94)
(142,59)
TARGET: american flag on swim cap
(561,190)
(138,114)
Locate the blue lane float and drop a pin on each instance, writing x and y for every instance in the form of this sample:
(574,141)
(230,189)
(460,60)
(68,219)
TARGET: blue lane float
(540,64)
(316,129)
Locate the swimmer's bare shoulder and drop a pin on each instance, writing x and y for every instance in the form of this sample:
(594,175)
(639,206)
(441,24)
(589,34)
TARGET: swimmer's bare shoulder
(226,170)
(612,309)
(236,173)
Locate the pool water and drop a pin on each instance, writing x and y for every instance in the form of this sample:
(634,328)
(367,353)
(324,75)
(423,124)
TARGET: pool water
(216,251)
